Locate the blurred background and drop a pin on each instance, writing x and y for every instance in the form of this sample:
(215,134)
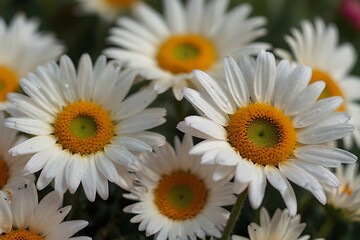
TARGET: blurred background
(86,33)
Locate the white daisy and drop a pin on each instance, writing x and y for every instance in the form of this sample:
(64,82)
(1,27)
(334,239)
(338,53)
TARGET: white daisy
(317,46)
(85,130)
(195,36)
(11,167)
(22,49)
(33,220)
(267,123)
(107,9)
(177,197)
(346,199)
(281,226)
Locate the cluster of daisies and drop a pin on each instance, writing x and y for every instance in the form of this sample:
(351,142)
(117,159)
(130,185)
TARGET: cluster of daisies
(261,118)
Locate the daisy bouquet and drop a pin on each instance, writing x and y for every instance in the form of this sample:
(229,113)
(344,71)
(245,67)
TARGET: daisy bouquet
(170,119)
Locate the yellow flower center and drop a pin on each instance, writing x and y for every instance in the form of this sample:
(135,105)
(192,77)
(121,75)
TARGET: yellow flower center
(120,3)
(262,134)
(180,195)
(9,82)
(332,88)
(20,234)
(83,127)
(4,173)
(183,53)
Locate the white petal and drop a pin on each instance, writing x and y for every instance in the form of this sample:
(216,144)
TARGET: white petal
(324,134)
(30,126)
(32,145)
(278,181)
(215,91)
(257,187)
(89,180)
(212,112)
(175,16)
(206,126)
(236,82)
(324,155)
(306,98)
(264,79)
(317,111)
(75,170)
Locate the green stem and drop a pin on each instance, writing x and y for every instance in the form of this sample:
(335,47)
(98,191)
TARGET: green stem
(234,215)
(326,228)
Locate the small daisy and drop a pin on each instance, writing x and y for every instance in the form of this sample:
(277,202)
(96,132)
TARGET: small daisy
(11,167)
(178,199)
(346,199)
(107,9)
(267,123)
(33,220)
(281,226)
(195,36)
(85,130)
(22,49)
(317,47)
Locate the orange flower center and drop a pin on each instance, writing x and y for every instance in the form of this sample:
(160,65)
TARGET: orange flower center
(262,134)
(180,195)
(332,88)
(121,3)
(9,82)
(20,234)
(83,127)
(4,173)
(183,53)
(347,190)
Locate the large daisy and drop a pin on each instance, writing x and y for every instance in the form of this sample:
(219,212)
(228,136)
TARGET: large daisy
(107,9)
(195,36)
(84,129)
(280,226)
(345,200)
(317,46)
(11,167)
(267,123)
(26,218)
(22,49)
(177,197)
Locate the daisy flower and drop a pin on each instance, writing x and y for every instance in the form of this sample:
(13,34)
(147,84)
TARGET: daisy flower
(30,219)
(281,226)
(177,197)
(317,47)
(22,49)
(267,123)
(195,36)
(346,199)
(11,167)
(107,9)
(84,129)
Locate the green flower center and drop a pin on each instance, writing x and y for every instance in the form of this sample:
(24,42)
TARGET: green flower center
(180,196)
(83,127)
(186,51)
(263,133)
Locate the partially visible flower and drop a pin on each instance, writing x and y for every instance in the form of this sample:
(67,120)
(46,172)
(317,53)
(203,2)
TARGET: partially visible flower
(177,196)
(346,199)
(85,128)
(350,9)
(22,49)
(11,167)
(267,124)
(107,9)
(281,226)
(30,219)
(196,35)
(317,47)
